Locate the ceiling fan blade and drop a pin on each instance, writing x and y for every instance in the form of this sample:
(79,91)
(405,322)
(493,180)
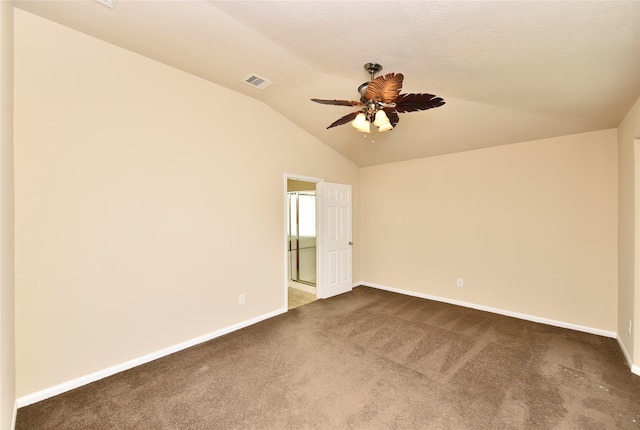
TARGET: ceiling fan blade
(385,88)
(392,115)
(337,102)
(415,102)
(345,119)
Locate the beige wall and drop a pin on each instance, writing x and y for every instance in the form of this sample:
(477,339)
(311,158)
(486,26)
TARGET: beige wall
(629,271)
(7,340)
(129,237)
(529,227)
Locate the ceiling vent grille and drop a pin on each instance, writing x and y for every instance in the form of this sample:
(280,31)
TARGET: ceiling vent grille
(110,3)
(257,82)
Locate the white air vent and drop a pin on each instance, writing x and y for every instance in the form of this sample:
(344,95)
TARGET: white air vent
(256,81)
(110,3)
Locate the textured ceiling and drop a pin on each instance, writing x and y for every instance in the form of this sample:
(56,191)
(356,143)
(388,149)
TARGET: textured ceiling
(509,71)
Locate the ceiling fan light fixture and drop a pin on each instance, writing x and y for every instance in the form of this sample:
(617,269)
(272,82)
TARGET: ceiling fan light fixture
(359,121)
(381,119)
(385,127)
(365,127)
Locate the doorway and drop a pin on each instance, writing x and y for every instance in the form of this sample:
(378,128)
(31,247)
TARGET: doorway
(333,240)
(301,242)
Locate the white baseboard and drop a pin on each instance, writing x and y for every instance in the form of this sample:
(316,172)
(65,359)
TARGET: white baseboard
(634,369)
(87,379)
(15,415)
(533,318)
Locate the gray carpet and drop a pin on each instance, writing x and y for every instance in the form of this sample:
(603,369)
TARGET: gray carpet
(368,359)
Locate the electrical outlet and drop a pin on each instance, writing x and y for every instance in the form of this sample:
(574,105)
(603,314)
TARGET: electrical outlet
(460,282)
(242,299)
(629,328)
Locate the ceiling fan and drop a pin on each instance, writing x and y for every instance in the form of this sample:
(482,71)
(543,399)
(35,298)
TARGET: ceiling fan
(381,102)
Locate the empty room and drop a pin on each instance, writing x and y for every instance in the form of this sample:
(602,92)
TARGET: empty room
(319,214)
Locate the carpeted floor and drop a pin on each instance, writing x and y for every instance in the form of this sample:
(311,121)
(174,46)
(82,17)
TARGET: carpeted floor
(368,359)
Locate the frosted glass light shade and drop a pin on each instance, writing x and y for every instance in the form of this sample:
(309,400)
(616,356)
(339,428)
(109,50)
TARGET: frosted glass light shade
(381,118)
(366,127)
(385,127)
(359,121)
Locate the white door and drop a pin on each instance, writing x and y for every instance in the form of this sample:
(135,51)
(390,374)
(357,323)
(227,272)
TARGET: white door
(336,239)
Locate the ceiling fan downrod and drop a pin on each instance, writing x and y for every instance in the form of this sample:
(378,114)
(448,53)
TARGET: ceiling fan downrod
(372,68)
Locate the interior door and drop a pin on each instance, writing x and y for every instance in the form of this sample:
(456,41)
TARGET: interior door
(336,239)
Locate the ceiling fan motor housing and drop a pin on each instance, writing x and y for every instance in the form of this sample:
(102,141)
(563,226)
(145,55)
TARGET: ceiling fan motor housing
(372,68)
(363,89)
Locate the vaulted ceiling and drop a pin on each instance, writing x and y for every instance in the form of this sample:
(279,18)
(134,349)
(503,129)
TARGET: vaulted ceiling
(509,71)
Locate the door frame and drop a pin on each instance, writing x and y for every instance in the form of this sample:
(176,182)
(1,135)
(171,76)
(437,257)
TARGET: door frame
(317,181)
(633,357)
